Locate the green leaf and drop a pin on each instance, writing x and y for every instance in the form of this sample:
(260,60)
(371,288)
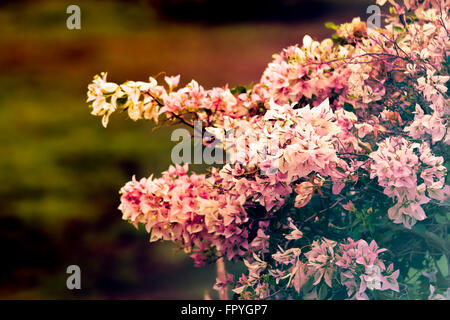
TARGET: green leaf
(121,101)
(441,219)
(238,90)
(419,228)
(323,292)
(348,107)
(371,228)
(331,25)
(340,169)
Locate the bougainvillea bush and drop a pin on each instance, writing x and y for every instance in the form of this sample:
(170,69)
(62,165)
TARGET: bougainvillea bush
(334,184)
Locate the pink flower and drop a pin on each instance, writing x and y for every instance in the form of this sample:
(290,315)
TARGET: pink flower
(304,192)
(295,233)
(172,81)
(389,282)
(349,206)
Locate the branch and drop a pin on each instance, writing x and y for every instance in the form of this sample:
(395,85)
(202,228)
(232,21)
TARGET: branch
(430,238)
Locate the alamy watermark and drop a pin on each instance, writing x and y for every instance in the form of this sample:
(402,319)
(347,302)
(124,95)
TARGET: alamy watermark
(373,277)
(374,20)
(74,280)
(73,21)
(220,146)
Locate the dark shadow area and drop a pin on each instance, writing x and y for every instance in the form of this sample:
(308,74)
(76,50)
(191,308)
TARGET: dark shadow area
(218,12)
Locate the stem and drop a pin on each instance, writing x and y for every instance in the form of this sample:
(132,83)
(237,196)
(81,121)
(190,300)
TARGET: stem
(182,120)
(352,154)
(221,274)
(381,54)
(174,114)
(448,255)
(448,270)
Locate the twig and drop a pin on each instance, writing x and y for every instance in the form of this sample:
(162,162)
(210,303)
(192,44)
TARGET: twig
(352,154)
(221,275)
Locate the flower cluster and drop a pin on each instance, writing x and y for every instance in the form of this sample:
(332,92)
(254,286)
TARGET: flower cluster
(187,210)
(148,100)
(283,146)
(358,122)
(139,98)
(355,265)
(397,166)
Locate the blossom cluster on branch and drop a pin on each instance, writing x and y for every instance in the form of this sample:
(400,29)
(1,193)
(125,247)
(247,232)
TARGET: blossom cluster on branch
(354,265)
(343,139)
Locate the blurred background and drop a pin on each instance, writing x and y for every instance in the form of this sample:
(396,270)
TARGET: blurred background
(61,171)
